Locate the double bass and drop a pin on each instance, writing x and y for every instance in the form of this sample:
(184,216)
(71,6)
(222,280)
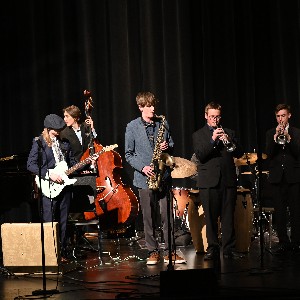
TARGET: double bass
(116,206)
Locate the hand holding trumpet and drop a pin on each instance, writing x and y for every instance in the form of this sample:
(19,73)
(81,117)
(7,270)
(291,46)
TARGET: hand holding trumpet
(220,134)
(281,136)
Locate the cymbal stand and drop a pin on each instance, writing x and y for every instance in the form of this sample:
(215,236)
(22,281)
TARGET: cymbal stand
(257,177)
(257,206)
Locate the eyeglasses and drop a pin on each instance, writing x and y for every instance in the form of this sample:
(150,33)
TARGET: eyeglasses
(215,117)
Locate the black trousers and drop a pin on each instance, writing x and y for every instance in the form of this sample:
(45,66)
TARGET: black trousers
(286,195)
(219,202)
(57,209)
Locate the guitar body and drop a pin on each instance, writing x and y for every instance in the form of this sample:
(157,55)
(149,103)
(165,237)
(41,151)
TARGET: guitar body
(116,204)
(52,189)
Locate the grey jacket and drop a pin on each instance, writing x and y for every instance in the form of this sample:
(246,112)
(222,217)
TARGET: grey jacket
(138,151)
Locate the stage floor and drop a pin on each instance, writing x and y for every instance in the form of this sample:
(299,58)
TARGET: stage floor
(120,272)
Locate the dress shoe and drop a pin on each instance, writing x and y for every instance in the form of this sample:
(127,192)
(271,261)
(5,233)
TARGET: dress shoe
(233,255)
(64,260)
(213,254)
(296,249)
(282,250)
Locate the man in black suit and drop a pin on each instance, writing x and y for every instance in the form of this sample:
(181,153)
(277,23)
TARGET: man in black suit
(81,135)
(283,151)
(215,148)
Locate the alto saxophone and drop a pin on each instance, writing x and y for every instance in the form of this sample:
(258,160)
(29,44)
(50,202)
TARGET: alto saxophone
(159,160)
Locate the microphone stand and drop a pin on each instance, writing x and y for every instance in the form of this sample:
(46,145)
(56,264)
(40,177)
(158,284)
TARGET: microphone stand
(168,185)
(44,291)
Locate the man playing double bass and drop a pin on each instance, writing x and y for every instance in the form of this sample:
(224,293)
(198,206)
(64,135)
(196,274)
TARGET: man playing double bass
(81,136)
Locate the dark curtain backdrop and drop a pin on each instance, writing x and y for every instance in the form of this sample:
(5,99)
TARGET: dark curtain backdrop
(243,54)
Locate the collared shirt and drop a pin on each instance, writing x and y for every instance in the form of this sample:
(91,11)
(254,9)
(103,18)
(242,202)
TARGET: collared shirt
(78,134)
(150,130)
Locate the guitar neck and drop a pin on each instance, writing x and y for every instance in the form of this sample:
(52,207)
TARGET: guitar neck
(83,163)
(88,159)
(77,166)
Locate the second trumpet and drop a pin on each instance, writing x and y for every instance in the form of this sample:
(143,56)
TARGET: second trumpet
(281,137)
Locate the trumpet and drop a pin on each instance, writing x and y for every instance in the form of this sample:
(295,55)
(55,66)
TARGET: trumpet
(281,138)
(229,145)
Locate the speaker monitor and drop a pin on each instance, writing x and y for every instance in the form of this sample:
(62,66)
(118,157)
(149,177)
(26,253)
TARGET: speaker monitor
(22,246)
(188,283)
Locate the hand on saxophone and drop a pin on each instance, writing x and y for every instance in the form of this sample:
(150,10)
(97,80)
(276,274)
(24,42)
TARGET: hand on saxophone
(164,146)
(148,170)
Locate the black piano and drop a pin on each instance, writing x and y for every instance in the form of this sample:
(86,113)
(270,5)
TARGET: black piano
(18,198)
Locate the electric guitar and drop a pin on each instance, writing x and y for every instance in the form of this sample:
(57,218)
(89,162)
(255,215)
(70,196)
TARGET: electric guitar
(52,189)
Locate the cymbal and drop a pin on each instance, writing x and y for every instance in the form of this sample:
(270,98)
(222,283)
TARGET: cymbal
(248,159)
(249,173)
(183,168)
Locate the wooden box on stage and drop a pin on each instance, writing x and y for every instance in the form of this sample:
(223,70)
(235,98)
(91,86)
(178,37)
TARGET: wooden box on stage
(22,246)
(243,220)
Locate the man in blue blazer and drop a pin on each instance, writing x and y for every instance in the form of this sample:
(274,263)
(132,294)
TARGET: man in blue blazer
(140,144)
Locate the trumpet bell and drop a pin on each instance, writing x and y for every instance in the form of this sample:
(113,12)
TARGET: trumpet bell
(281,139)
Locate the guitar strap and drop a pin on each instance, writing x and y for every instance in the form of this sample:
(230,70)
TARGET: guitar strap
(57,151)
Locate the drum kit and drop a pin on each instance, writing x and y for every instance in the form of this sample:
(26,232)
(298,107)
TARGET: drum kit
(250,159)
(184,168)
(259,215)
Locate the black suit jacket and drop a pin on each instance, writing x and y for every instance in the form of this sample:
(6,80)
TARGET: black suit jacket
(69,134)
(214,160)
(283,159)
(47,160)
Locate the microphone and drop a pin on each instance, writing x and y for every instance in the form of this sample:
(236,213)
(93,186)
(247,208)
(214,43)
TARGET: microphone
(39,142)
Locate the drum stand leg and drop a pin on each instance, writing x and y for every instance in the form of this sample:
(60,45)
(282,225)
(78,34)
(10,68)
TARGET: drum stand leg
(99,243)
(270,229)
(269,219)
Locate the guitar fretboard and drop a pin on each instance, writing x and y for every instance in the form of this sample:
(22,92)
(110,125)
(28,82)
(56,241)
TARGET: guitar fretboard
(88,159)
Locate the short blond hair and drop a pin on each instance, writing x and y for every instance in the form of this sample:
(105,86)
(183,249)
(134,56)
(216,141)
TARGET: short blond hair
(146,99)
(212,105)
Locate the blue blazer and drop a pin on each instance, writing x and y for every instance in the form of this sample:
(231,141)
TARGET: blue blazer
(138,150)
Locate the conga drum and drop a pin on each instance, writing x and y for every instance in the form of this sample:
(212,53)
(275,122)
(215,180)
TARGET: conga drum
(243,220)
(180,201)
(196,221)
